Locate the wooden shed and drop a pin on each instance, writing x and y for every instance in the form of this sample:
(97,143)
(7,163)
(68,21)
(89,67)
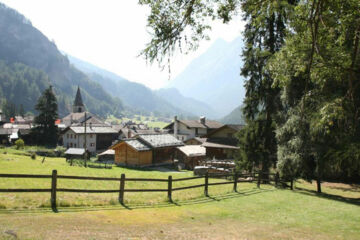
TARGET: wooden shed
(191,155)
(147,149)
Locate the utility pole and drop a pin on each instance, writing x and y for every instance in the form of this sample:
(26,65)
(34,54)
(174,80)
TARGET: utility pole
(85,147)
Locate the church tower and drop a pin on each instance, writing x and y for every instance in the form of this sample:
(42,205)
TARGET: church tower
(78,106)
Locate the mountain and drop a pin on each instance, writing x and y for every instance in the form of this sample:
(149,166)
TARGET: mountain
(199,108)
(235,117)
(30,63)
(214,77)
(167,102)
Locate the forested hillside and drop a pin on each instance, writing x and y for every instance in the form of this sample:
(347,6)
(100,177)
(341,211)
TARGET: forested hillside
(235,117)
(141,99)
(30,62)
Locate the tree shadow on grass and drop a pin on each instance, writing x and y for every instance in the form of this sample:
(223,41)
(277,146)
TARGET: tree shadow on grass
(354,201)
(200,200)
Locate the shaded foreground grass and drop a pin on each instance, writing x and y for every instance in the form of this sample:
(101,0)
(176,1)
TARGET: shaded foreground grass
(252,213)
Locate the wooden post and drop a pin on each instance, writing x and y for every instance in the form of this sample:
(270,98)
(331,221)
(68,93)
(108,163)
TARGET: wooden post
(276,179)
(292,184)
(235,181)
(53,190)
(206,184)
(170,188)
(259,179)
(122,188)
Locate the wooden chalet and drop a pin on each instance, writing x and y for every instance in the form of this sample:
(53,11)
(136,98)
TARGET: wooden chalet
(190,155)
(222,143)
(146,150)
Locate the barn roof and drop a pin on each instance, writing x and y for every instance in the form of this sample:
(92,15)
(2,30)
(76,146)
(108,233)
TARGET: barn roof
(75,151)
(160,140)
(107,152)
(193,150)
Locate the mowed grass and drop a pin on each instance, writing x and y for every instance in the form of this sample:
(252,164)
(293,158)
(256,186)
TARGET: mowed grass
(251,213)
(14,162)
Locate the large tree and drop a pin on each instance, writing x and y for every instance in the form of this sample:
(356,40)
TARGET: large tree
(318,71)
(46,131)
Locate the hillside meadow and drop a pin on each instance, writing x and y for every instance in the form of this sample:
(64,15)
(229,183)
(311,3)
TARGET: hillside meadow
(251,213)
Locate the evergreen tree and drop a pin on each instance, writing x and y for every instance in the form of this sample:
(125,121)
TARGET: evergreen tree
(21,110)
(46,131)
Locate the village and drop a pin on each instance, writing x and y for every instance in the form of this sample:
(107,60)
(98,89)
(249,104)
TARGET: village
(201,145)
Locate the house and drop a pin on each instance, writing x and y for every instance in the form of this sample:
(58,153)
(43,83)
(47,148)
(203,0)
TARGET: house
(97,137)
(5,135)
(222,143)
(190,155)
(2,117)
(187,129)
(146,149)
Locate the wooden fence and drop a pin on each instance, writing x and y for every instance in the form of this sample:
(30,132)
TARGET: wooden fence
(235,179)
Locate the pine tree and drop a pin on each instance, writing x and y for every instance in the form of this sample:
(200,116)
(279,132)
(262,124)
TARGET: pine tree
(46,130)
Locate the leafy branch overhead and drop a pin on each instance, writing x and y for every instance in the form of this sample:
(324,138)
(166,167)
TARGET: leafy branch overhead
(181,24)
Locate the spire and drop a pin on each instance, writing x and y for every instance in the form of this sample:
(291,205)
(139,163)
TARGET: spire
(78,106)
(78,99)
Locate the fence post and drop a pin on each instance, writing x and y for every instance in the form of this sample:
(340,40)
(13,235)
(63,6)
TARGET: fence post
(235,181)
(276,179)
(122,188)
(259,179)
(170,188)
(206,184)
(292,184)
(53,190)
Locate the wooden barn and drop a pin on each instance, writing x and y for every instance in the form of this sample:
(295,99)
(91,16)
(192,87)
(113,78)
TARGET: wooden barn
(146,150)
(191,155)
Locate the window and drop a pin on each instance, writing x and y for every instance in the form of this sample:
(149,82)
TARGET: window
(92,144)
(67,136)
(71,145)
(74,144)
(75,136)
(71,136)
(91,135)
(196,131)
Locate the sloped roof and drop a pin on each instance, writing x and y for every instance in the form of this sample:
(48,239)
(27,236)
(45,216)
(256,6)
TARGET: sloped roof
(78,99)
(160,140)
(199,139)
(107,152)
(75,151)
(137,144)
(93,129)
(197,124)
(234,127)
(193,150)
(218,145)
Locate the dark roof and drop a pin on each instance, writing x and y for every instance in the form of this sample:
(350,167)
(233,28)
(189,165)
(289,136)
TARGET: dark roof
(199,139)
(217,145)
(160,140)
(75,151)
(235,127)
(197,124)
(78,99)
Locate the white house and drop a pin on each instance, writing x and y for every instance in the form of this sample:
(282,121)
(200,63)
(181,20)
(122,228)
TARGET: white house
(187,129)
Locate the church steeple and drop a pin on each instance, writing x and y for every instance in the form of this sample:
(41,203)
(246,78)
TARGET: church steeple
(78,106)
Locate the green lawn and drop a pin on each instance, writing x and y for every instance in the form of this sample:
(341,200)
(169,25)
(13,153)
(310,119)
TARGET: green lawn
(150,121)
(252,213)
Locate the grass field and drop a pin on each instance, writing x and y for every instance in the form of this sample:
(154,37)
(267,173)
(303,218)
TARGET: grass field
(150,121)
(252,213)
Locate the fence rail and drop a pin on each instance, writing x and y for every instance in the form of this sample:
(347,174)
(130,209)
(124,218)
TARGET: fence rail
(236,178)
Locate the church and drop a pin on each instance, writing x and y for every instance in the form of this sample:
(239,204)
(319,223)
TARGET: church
(85,130)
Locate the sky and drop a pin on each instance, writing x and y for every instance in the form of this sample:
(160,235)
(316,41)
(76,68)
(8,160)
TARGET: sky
(110,34)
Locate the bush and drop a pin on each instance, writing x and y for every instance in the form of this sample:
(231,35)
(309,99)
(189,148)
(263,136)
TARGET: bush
(33,156)
(19,144)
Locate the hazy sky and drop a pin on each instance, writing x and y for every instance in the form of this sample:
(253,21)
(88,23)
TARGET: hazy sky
(110,34)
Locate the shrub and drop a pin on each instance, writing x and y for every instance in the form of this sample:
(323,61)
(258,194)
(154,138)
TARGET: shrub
(33,156)
(20,144)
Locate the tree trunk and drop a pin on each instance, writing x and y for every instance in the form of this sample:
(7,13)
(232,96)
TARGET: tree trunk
(318,184)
